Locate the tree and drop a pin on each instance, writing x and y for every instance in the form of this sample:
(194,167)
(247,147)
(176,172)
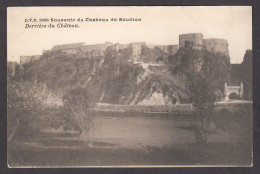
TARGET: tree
(205,73)
(23,99)
(78,104)
(203,97)
(213,66)
(247,75)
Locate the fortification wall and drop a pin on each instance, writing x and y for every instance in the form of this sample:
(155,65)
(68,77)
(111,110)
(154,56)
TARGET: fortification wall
(70,51)
(172,49)
(67,46)
(169,49)
(163,48)
(26,59)
(194,39)
(138,43)
(136,50)
(216,45)
(94,50)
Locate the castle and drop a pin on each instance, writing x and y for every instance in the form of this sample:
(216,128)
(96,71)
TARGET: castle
(25,59)
(196,41)
(80,50)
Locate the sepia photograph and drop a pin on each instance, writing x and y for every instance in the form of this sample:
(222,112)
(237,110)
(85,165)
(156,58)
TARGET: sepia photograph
(129,86)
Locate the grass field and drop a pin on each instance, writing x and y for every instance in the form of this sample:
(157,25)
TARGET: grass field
(134,140)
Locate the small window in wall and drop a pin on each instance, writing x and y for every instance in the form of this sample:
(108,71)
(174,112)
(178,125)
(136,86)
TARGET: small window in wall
(216,43)
(209,43)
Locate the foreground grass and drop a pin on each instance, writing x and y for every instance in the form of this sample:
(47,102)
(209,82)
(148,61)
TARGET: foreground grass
(60,153)
(160,140)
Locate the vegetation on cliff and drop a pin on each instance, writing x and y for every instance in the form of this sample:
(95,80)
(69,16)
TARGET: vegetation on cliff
(114,79)
(205,75)
(109,79)
(214,67)
(247,75)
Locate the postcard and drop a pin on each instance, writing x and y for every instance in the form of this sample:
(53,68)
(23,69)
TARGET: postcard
(129,86)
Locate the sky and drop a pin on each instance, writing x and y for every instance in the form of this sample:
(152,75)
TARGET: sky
(158,25)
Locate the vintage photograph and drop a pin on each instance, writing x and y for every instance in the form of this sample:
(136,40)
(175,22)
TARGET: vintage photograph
(131,86)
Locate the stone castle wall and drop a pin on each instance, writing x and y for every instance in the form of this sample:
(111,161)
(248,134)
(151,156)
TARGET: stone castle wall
(136,50)
(67,46)
(26,59)
(71,51)
(194,39)
(216,45)
(117,47)
(169,49)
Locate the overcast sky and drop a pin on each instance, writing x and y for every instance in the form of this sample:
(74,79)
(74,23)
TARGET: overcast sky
(159,25)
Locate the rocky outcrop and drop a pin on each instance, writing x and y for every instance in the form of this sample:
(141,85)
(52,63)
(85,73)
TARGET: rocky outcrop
(214,67)
(116,79)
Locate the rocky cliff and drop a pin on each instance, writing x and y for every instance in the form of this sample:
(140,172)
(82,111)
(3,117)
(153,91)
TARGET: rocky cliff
(212,66)
(114,79)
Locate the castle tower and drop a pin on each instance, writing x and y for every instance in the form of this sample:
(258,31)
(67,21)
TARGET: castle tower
(216,45)
(193,39)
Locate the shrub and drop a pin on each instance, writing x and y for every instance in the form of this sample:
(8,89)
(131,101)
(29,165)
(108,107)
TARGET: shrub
(77,103)
(203,98)
(223,119)
(23,101)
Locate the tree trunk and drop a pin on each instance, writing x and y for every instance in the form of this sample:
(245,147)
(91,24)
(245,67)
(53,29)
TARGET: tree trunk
(15,128)
(83,136)
(86,136)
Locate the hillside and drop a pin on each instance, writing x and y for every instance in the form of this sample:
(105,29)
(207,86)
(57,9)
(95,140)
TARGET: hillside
(109,79)
(214,67)
(114,79)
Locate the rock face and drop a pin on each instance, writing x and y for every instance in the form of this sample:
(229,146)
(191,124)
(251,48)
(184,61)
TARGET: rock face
(155,55)
(109,79)
(116,80)
(215,67)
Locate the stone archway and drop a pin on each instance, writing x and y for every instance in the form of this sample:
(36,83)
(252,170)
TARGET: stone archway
(233,90)
(233,95)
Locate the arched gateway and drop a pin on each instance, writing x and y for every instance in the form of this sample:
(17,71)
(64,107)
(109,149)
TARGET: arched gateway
(233,89)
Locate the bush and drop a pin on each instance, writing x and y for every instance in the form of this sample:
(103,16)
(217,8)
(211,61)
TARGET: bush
(77,103)
(239,121)
(23,101)
(203,98)
(223,119)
